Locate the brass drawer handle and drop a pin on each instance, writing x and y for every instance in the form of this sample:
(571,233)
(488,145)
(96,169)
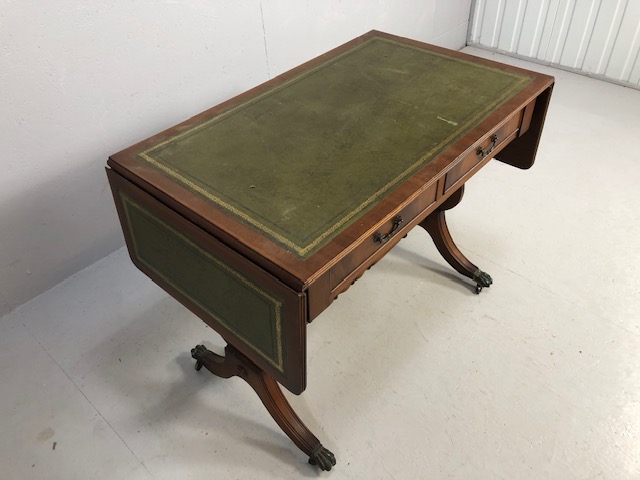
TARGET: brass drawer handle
(492,147)
(380,238)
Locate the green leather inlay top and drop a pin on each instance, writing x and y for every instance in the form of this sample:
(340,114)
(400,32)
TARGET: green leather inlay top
(230,298)
(305,159)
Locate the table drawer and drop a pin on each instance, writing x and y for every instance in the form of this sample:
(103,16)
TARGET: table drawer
(494,142)
(381,238)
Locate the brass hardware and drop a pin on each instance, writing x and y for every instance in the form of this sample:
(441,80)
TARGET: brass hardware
(380,238)
(494,143)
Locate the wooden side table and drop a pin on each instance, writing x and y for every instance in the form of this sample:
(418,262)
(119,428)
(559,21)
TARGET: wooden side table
(257,213)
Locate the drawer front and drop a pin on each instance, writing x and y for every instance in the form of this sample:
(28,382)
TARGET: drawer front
(494,142)
(344,273)
(384,236)
(252,310)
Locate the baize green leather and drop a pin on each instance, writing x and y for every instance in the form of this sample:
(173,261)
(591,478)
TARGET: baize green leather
(236,302)
(303,160)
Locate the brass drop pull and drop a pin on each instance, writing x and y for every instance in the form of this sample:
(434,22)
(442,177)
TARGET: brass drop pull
(492,147)
(380,238)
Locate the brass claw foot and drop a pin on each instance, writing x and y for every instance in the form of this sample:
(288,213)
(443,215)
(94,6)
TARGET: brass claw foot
(197,353)
(322,457)
(482,279)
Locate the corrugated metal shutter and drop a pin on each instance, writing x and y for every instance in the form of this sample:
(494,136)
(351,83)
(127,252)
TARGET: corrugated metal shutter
(596,37)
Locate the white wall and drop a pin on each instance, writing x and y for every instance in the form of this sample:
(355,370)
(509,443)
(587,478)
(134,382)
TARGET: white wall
(600,38)
(82,80)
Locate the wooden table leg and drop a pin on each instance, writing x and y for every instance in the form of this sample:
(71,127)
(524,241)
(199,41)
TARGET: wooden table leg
(436,225)
(234,363)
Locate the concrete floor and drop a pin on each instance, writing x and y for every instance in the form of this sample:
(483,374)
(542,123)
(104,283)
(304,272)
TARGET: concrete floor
(411,375)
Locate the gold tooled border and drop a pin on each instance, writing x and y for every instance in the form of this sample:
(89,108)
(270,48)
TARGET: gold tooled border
(128,202)
(303,250)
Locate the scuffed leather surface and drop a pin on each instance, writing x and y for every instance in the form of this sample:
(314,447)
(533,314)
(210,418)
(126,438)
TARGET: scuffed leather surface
(303,160)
